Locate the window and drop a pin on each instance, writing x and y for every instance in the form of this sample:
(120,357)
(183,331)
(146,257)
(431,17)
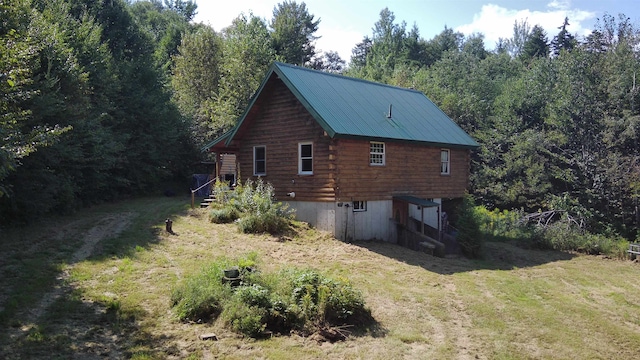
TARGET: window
(259,160)
(359,206)
(305,158)
(376,153)
(444,162)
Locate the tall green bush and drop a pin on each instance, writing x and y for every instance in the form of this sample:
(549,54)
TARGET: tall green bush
(252,206)
(469,236)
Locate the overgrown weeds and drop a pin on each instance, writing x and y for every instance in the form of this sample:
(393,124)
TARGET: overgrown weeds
(551,230)
(301,300)
(252,207)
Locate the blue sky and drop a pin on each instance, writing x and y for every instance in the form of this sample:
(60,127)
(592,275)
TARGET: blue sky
(344,23)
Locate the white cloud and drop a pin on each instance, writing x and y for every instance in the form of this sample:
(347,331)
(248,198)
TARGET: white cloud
(559,4)
(339,40)
(219,17)
(497,22)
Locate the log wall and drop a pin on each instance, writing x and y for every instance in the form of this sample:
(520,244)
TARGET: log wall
(341,169)
(410,169)
(280,125)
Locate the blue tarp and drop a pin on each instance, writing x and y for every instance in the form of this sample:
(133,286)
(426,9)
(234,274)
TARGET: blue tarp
(199,180)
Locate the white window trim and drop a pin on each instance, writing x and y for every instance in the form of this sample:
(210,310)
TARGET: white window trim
(362,206)
(446,171)
(300,172)
(384,150)
(255,172)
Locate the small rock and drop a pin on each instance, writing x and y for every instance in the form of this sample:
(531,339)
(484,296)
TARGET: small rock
(210,336)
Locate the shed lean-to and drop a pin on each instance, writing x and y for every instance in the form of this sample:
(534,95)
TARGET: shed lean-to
(339,149)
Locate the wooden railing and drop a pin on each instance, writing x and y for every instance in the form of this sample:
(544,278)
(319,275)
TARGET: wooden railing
(193,191)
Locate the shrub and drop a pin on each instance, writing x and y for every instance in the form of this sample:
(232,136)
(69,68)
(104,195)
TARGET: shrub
(246,319)
(322,299)
(253,206)
(468,224)
(201,297)
(292,299)
(224,215)
(262,223)
(562,237)
(501,225)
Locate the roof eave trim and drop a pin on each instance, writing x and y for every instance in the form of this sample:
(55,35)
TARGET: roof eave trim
(216,141)
(319,119)
(421,142)
(255,97)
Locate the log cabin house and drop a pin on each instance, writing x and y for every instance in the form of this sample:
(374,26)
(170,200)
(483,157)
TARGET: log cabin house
(359,159)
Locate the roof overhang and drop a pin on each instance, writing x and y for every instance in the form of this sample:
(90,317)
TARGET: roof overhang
(218,143)
(416,200)
(417,142)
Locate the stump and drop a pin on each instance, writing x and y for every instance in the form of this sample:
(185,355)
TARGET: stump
(168,226)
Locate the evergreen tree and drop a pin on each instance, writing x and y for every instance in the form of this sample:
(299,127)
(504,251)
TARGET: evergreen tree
(196,78)
(292,35)
(536,45)
(564,40)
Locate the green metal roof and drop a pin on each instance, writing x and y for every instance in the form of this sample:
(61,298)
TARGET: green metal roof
(352,108)
(216,141)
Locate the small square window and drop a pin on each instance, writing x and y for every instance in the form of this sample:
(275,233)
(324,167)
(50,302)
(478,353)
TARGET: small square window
(376,153)
(359,206)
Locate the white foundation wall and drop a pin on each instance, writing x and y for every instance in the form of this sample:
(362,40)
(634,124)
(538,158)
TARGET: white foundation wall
(321,215)
(374,223)
(341,221)
(430,214)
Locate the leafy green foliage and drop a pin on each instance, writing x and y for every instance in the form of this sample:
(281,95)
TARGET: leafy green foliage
(195,80)
(92,121)
(292,33)
(201,296)
(292,299)
(468,224)
(560,230)
(253,206)
(224,215)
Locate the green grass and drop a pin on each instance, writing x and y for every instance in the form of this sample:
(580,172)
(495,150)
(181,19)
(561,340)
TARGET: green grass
(511,304)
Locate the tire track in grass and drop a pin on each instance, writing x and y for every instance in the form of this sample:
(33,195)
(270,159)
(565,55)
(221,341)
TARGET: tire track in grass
(109,226)
(459,324)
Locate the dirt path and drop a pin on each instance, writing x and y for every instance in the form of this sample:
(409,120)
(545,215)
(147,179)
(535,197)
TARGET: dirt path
(108,226)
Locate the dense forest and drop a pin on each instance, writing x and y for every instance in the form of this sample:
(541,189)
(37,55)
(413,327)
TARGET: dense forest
(102,99)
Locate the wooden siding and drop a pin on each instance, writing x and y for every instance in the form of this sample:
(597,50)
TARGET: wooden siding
(341,170)
(280,125)
(410,169)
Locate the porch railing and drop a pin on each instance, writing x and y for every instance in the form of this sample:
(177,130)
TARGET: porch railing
(193,192)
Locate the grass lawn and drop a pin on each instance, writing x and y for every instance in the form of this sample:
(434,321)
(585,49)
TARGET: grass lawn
(98,285)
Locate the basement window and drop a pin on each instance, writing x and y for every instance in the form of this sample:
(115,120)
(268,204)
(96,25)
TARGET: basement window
(359,206)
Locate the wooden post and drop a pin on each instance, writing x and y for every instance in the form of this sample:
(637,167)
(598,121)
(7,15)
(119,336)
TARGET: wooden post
(422,220)
(218,159)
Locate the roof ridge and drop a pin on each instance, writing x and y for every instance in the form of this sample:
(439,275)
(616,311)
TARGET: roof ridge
(370,82)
